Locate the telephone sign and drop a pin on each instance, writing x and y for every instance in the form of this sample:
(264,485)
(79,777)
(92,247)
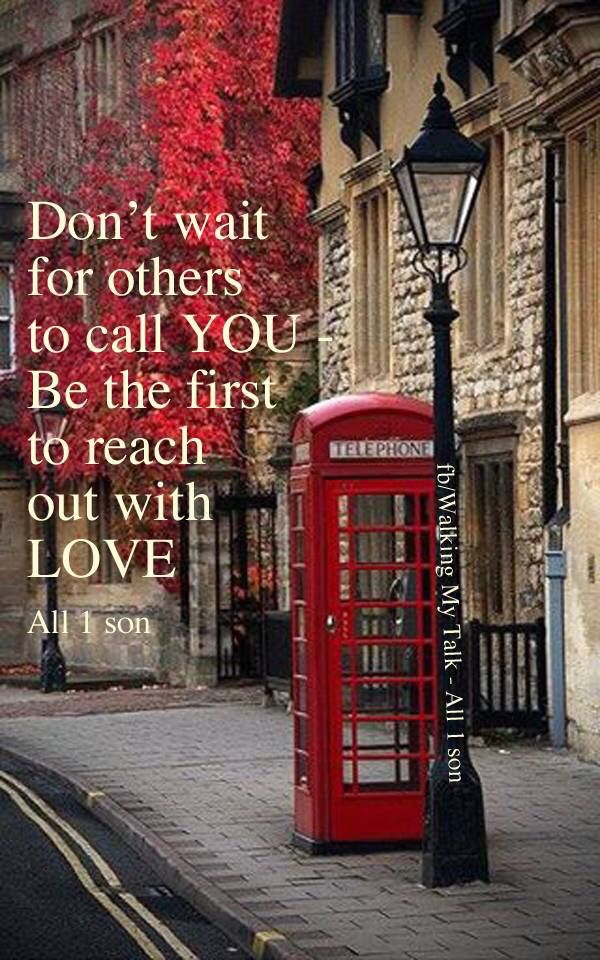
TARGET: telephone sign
(362,565)
(391,449)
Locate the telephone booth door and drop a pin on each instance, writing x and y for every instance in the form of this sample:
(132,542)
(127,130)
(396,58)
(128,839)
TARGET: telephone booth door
(380,663)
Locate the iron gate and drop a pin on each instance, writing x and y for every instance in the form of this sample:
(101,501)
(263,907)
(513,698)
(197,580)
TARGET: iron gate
(246,578)
(508,676)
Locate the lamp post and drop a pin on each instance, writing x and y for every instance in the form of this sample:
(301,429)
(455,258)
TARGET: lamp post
(438,179)
(51,423)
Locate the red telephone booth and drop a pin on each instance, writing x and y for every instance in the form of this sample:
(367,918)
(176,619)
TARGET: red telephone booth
(362,563)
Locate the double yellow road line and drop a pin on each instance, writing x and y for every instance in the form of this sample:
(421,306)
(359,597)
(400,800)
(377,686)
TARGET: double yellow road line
(59,831)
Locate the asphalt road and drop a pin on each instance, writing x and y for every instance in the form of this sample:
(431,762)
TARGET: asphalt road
(71,890)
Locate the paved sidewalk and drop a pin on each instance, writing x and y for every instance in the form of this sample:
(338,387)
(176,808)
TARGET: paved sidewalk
(214,784)
(22,702)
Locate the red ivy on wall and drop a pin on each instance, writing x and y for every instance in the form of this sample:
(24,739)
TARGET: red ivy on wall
(195,128)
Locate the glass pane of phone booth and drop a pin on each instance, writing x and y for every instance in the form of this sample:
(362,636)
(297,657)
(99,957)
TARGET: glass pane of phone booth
(299,642)
(385,558)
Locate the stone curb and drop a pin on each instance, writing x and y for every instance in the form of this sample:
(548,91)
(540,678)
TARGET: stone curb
(214,904)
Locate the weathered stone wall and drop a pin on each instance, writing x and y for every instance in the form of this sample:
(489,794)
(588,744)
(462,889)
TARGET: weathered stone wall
(294,379)
(335,357)
(510,378)
(504,377)
(412,341)
(564,88)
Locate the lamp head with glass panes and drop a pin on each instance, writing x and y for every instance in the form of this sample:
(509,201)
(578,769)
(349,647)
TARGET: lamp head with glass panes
(51,421)
(438,179)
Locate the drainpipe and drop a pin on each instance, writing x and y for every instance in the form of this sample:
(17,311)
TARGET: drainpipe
(555,451)
(549,364)
(563,328)
(556,572)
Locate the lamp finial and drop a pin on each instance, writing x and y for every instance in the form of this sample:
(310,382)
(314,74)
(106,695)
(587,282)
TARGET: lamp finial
(439,112)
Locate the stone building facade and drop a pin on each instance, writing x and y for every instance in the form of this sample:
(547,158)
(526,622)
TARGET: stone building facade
(523,78)
(557,49)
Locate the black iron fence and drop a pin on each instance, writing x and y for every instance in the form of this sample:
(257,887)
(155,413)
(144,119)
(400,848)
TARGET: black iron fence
(246,578)
(508,676)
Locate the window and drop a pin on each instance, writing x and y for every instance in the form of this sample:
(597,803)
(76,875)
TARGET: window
(360,40)
(103,72)
(101,530)
(482,281)
(361,75)
(7,318)
(372,288)
(512,15)
(583,166)
(467,27)
(490,526)
(7,113)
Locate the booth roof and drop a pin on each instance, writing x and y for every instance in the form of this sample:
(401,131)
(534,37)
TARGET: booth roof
(354,404)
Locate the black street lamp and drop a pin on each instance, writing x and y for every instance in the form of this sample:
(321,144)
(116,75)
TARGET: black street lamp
(51,423)
(438,179)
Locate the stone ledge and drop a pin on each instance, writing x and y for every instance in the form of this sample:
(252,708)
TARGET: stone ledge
(324,216)
(376,163)
(497,422)
(584,409)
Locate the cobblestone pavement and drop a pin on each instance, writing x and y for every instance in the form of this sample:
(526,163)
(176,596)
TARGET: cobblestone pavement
(214,783)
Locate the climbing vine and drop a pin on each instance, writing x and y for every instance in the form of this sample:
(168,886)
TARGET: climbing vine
(194,127)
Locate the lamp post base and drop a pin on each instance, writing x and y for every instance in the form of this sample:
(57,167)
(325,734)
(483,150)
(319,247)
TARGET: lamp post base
(53,668)
(454,843)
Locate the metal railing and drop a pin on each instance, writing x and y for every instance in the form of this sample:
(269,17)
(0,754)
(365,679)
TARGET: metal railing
(508,676)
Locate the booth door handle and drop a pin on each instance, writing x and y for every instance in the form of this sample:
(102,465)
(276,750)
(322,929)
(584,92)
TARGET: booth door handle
(330,622)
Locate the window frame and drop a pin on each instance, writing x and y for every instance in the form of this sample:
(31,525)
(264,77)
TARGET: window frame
(487,244)
(359,88)
(372,303)
(353,44)
(481,450)
(9,318)
(91,111)
(583,168)
(7,142)
(467,28)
